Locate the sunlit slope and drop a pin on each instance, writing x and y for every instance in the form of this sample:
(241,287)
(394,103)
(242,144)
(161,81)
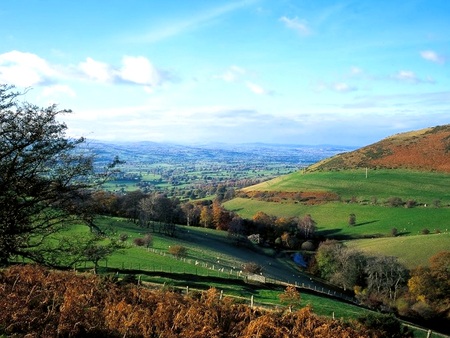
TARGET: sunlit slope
(423,187)
(426,149)
(411,250)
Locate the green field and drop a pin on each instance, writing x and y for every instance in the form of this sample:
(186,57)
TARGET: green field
(411,250)
(424,187)
(332,218)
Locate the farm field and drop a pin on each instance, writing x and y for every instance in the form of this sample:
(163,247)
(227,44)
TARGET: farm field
(411,250)
(423,187)
(332,217)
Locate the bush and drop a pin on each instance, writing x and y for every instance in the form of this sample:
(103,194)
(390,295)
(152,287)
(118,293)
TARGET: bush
(395,202)
(178,251)
(252,267)
(425,231)
(308,246)
(123,237)
(383,325)
(394,232)
(139,241)
(410,204)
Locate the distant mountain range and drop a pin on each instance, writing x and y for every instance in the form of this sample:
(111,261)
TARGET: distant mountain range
(427,149)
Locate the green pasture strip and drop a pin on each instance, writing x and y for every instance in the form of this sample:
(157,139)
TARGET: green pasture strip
(424,187)
(332,218)
(411,250)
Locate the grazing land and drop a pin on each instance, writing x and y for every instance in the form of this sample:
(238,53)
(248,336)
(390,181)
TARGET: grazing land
(192,171)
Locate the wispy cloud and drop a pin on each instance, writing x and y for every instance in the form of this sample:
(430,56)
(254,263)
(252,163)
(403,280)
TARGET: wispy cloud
(300,26)
(49,91)
(432,56)
(338,87)
(179,27)
(232,74)
(236,74)
(410,77)
(258,89)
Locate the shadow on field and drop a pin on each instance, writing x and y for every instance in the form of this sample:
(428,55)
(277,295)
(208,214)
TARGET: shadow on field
(364,223)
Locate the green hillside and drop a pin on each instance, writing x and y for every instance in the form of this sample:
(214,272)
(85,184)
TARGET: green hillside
(424,187)
(411,250)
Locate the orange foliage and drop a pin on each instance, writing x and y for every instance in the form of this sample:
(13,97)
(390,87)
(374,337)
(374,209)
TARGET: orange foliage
(38,303)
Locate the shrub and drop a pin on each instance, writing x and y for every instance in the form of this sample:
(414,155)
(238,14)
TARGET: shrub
(395,202)
(410,204)
(308,246)
(425,231)
(178,250)
(394,232)
(382,325)
(123,237)
(252,267)
(139,241)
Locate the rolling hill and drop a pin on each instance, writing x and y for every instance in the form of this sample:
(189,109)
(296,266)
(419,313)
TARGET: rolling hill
(425,150)
(412,167)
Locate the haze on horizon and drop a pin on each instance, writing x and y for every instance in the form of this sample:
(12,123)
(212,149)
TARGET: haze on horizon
(287,72)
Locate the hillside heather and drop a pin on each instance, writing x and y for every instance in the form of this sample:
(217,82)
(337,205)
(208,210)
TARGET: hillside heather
(36,302)
(426,149)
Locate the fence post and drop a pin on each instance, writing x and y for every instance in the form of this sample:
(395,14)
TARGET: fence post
(251,302)
(429,334)
(187,290)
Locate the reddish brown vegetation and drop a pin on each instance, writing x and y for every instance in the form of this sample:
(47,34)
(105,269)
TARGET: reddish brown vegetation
(37,303)
(427,150)
(308,197)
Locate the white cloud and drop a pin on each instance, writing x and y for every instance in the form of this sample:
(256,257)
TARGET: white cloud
(257,89)
(342,87)
(48,91)
(139,70)
(97,71)
(411,77)
(297,25)
(432,56)
(233,74)
(24,69)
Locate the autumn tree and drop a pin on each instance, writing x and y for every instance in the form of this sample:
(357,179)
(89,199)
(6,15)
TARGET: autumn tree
(430,286)
(44,177)
(206,217)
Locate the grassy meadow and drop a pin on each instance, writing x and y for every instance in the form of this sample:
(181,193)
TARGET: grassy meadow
(411,250)
(424,187)
(374,222)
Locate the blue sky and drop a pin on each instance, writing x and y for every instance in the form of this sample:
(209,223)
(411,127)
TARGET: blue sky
(298,72)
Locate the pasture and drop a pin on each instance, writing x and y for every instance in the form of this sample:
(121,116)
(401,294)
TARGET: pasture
(423,187)
(412,251)
(332,218)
